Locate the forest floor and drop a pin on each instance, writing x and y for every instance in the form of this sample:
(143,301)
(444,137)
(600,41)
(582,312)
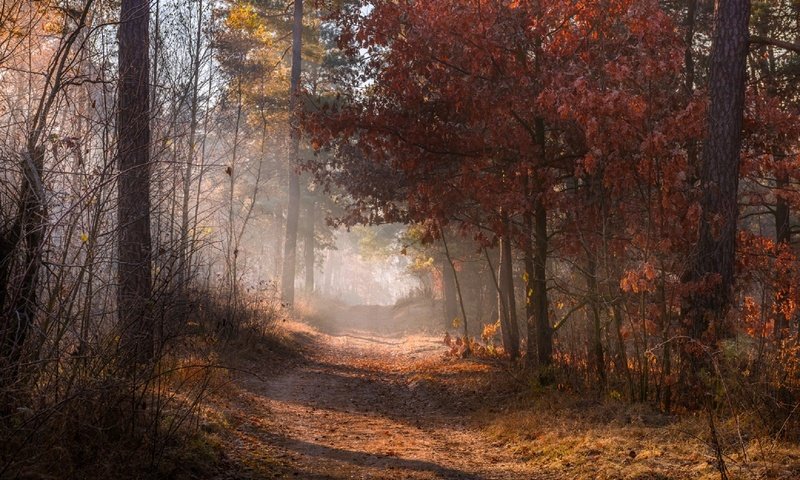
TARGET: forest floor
(358,405)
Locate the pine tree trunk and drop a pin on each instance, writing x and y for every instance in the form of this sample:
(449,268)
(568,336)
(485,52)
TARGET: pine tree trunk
(133,141)
(293,208)
(715,255)
(716,248)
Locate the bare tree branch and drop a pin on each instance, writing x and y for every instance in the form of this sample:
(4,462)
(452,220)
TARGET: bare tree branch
(758,40)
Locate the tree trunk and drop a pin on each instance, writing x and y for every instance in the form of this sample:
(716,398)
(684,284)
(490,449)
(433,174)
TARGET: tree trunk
(689,80)
(225,323)
(688,55)
(541,308)
(133,142)
(8,243)
(293,209)
(449,294)
(540,333)
(506,300)
(309,246)
(201,160)
(596,351)
(544,332)
(30,227)
(530,309)
(25,237)
(458,295)
(783,237)
(279,238)
(184,267)
(716,247)
(622,353)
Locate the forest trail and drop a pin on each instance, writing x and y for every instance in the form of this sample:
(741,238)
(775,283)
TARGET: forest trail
(364,405)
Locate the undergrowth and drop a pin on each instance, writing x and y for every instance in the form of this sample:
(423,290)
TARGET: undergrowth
(82,415)
(599,435)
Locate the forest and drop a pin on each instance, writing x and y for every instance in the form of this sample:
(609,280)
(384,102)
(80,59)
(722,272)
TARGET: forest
(400,239)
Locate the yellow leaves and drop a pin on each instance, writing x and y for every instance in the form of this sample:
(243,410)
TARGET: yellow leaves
(421,264)
(53,27)
(243,16)
(84,237)
(265,35)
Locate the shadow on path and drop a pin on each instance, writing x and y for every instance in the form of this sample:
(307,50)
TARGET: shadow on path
(356,458)
(373,407)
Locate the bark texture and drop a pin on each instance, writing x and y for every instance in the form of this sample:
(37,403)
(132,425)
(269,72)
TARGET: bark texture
(293,208)
(714,258)
(133,139)
(506,301)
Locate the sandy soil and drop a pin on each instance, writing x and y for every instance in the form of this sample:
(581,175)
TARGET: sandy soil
(366,406)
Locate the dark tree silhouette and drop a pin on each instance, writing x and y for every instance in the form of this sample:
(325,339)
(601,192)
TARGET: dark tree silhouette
(133,143)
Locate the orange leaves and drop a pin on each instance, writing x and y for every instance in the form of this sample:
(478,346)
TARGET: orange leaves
(649,272)
(775,268)
(639,281)
(751,315)
(490,332)
(457,88)
(589,164)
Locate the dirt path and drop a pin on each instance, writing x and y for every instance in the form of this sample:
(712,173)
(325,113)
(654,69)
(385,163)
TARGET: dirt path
(366,406)
(361,405)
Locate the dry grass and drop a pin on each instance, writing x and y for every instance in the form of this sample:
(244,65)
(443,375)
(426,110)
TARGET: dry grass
(163,422)
(573,438)
(552,432)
